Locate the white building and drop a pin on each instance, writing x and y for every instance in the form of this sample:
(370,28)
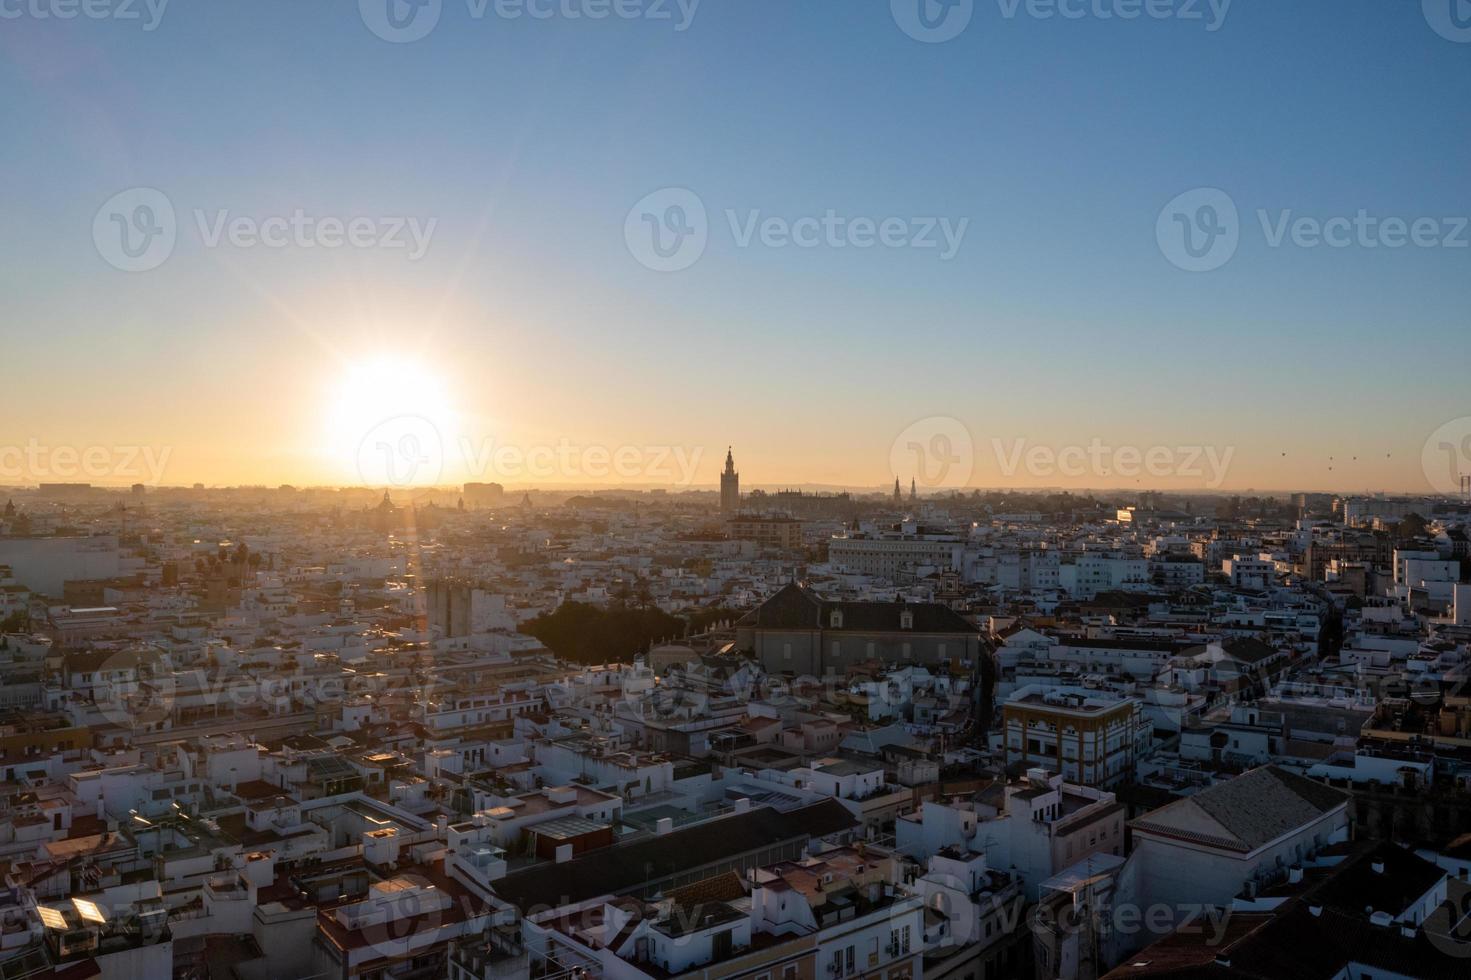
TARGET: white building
(1207,848)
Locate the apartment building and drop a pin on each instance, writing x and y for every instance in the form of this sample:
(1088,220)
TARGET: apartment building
(1089,736)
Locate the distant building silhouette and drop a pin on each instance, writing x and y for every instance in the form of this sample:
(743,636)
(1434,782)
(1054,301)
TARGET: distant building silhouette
(730,486)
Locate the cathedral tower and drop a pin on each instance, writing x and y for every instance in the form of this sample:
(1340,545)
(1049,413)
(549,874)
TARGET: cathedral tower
(730,486)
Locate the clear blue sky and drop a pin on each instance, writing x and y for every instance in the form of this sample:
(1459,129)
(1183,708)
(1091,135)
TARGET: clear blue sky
(529,141)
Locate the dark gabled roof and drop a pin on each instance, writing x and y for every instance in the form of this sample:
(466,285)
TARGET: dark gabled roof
(793,607)
(1295,943)
(1314,936)
(1243,813)
(1404,878)
(790,607)
(1248,650)
(624,868)
(89,661)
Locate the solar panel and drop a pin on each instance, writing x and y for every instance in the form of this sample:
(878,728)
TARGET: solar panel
(51,918)
(88,910)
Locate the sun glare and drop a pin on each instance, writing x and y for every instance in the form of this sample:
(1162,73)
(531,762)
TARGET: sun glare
(388,422)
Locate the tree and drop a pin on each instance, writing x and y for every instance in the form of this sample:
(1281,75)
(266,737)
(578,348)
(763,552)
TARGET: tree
(586,634)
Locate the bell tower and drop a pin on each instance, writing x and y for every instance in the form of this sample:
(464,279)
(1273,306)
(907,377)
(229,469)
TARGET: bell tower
(730,487)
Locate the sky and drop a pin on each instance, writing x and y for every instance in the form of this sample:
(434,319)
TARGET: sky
(992,245)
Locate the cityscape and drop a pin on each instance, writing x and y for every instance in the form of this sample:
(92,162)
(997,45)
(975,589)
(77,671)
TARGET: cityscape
(735,490)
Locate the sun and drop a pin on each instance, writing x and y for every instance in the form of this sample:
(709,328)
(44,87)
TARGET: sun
(389,421)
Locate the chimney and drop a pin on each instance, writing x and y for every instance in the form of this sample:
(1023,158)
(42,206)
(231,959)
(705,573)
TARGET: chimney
(664,825)
(564,853)
(742,805)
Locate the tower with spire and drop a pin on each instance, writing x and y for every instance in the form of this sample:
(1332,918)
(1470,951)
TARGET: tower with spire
(913,491)
(898,495)
(730,486)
